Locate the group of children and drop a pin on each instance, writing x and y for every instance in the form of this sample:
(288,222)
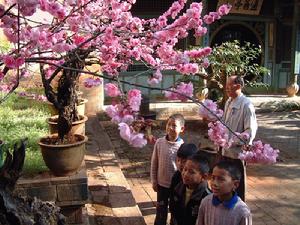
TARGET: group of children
(180,174)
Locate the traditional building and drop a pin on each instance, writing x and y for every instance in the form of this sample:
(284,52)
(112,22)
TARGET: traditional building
(272,24)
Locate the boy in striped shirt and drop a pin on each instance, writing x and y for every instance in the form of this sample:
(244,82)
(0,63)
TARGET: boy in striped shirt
(163,165)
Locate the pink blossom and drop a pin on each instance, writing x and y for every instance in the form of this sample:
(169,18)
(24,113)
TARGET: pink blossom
(224,9)
(185,90)
(92,82)
(205,63)
(134,98)
(5,87)
(190,68)
(112,90)
(200,31)
(11,35)
(260,153)
(156,78)
(136,140)
(209,110)
(25,74)
(218,133)
(125,131)
(12,62)
(41,98)
(208,19)
(128,119)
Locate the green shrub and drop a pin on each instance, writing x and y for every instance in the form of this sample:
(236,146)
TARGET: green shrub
(23,118)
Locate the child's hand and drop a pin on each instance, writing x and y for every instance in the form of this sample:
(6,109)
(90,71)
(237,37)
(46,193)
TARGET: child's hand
(154,186)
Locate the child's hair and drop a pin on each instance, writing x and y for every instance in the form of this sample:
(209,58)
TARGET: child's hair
(178,117)
(186,150)
(239,80)
(231,168)
(201,161)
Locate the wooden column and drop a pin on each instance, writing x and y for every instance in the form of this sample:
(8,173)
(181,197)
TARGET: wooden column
(293,88)
(295,70)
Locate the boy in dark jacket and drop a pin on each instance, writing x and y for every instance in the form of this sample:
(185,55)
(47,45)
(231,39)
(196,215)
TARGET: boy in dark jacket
(184,151)
(190,191)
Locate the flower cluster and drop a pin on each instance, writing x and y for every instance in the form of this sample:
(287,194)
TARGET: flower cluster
(125,109)
(259,153)
(156,78)
(209,110)
(186,89)
(134,98)
(218,133)
(112,90)
(135,139)
(92,82)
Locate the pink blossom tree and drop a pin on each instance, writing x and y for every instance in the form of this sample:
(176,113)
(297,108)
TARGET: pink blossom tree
(78,33)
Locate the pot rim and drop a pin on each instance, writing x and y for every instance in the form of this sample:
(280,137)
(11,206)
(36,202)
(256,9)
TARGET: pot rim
(84,119)
(85,139)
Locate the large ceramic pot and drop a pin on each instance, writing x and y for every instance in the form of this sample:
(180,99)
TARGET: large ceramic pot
(80,107)
(64,159)
(78,127)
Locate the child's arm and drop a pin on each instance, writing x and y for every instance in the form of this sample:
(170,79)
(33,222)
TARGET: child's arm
(154,168)
(246,220)
(200,218)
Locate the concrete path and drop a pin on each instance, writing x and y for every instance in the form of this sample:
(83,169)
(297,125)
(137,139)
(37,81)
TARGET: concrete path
(273,190)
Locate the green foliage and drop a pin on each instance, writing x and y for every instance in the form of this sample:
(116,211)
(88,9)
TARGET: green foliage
(4,46)
(233,58)
(21,118)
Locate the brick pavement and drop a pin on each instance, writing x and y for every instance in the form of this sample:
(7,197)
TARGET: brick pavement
(273,190)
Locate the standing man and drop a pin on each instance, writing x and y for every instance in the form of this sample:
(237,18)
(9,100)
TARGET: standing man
(239,116)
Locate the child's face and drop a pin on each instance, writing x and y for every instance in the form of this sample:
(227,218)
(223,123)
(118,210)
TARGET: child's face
(180,163)
(173,129)
(191,175)
(222,184)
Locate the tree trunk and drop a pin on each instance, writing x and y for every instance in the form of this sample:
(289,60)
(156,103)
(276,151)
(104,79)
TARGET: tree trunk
(225,97)
(66,92)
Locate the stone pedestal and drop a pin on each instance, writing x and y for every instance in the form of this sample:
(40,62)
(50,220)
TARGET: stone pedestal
(70,192)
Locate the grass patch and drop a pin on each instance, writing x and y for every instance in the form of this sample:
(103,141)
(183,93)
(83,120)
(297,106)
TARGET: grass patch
(24,118)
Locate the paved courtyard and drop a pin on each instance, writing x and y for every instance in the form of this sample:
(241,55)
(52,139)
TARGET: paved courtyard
(273,190)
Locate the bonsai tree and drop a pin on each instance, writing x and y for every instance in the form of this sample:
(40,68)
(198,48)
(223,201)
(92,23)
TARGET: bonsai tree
(231,58)
(76,33)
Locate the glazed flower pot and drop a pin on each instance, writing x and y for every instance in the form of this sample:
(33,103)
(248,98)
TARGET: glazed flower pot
(78,127)
(63,159)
